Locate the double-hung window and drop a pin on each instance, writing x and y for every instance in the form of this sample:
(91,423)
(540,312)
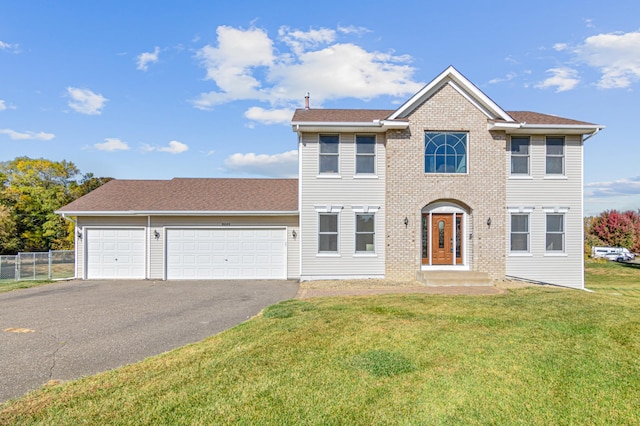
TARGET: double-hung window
(519,232)
(329,154)
(555,155)
(365,233)
(520,155)
(328,233)
(365,154)
(555,232)
(445,152)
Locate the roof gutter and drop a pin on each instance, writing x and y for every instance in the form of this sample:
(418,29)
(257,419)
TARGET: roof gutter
(524,127)
(378,126)
(178,213)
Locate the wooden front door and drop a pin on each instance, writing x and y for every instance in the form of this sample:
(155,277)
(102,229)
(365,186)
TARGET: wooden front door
(442,239)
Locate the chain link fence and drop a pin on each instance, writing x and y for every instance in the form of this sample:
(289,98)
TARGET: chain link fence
(38,266)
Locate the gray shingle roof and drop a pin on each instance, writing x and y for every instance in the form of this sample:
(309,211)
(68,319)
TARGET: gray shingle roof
(190,195)
(369,115)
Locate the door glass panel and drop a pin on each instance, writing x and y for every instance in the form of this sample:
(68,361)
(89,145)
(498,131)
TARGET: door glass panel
(441,234)
(458,235)
(425,236)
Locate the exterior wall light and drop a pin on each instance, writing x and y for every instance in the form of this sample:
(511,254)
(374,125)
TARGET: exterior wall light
(406,222)
(79,234)
(294,234)
(156,234)
(489,222)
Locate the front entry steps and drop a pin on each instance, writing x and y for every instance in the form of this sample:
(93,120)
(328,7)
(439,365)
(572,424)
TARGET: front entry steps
(453,278)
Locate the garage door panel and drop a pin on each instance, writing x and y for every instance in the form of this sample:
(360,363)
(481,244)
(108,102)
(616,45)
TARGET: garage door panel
(115,253)
(226,253)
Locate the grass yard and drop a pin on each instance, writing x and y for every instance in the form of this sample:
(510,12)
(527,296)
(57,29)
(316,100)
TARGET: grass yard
(9,285)
(535,355)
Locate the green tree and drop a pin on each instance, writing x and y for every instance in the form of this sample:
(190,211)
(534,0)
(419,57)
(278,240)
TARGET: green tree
(31,190)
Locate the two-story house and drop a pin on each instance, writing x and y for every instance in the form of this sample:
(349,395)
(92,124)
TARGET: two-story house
(449,183)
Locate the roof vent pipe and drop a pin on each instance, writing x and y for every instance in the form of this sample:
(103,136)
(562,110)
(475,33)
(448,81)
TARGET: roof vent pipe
(306,101)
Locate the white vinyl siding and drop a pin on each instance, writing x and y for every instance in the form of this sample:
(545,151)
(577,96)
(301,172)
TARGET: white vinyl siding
(319,194)
(545,194)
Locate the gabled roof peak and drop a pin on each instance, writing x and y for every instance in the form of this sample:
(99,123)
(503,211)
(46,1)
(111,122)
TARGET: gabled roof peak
(460,83)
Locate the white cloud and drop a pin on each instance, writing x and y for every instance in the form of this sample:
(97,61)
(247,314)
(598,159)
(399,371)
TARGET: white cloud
(510,76)
(27,135)
(276,165)
(625,186)
(174,147)
(231,65)
(247,65)
(8,46)
(560,46)
(299,41)
(562,79)
(615,55)
(2,105)
(112,144)
(85,101)
(269,116)
(146,58)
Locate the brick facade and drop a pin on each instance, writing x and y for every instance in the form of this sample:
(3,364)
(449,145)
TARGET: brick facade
(482,191)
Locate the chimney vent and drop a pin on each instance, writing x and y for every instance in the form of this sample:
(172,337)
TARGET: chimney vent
(306,101)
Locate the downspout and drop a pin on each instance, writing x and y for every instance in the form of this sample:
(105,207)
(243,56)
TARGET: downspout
(148,250)
(592,134)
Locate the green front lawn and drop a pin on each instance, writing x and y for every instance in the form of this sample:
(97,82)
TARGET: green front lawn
(533,356)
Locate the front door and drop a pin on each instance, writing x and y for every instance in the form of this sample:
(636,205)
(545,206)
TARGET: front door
(441,239)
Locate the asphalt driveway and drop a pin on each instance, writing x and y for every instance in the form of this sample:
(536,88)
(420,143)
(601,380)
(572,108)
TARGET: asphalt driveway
(67,330)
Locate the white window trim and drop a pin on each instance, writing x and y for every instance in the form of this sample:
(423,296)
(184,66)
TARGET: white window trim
(520,175)
(520,211)
(374,155)
(320,154)
(564,157)
(331,209)
(361,210)
(467,150)
(556,210)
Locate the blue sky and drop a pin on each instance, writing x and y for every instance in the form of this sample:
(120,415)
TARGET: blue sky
(162,89)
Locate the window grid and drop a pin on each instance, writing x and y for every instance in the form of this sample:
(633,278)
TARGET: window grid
(555,155)
(365,233)
(555,232)
(445,152)
(329,153)
(519,232)
(365,154)
(328,233)
(520,155)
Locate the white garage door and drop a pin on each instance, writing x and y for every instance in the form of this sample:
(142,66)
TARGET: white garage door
(115,253)
(226,253)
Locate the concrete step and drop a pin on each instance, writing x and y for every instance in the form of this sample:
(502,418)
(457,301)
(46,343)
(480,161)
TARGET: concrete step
(453,278)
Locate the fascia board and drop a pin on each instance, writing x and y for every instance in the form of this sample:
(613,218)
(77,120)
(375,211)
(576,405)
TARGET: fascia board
(177,213)
(462,85)
(523,128)
(373,126)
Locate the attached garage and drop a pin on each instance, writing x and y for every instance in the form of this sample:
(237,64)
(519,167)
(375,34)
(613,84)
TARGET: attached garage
(115,253)
(226,253)
(188,229)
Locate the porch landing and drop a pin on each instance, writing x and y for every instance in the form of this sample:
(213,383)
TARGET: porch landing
(453,278)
